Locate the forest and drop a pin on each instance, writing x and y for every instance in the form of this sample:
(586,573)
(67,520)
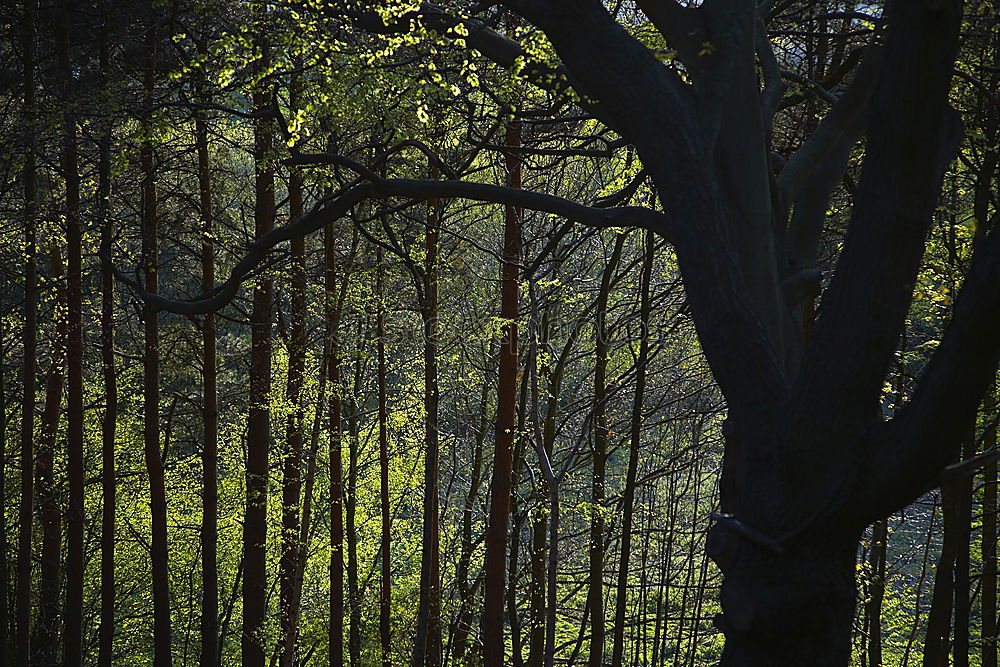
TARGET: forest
(609,333)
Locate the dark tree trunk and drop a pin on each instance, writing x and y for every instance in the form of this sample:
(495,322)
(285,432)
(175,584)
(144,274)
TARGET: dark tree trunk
(427,644)
(73,611)
(43,641)
(876,591)
(351,507)
(22,596)
(106,633)
(988,602)
(385,545)
(500,488)
(258,420)
(209,655)
(291,548)
(601,435)
(628,500)
(336,627)
(151,374)
(464,617)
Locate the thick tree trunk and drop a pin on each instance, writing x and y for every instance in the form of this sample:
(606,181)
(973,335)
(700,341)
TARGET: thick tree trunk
(500,488)
(209,630)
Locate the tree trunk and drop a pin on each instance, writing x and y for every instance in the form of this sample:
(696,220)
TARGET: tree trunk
(336,627)
(427,644)
(876,591)
(385,546)
(628,500)
(259,419)
(291,491)
(988,602)
(209,656)
(110,423)
(500,488)
(151,372)
(43,641)
(22,601)
(73,611)
(351,506)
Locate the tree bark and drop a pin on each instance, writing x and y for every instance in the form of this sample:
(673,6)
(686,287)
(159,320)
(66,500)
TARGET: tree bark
(385,545)
(628,500)
(336,626)
(73,610)
(151,369)
(259,418)
(209,629)
(106,632)
(500,487)
(291,548)
(988,602)
(22,601)
(427,644)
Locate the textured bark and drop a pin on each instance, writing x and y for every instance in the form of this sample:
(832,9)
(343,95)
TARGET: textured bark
(351,507)
(22,594)
(209,628)
(500,487)
(259,419)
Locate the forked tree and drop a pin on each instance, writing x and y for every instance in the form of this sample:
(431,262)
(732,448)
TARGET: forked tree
(809,460)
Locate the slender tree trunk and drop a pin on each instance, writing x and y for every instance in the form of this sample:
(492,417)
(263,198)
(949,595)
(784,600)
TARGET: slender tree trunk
(876,591)
(351,507)
(500,488)
(936,643)
(336,628)
(259,419)
(4,553)
(210,407)
(600,456)
(291,548)
(73,610)
(385,546)
(109,425)
(427,645)
(22,601)
(988,602)
(635,441)
(963,542)
(463,620)
(151,374)
(43,642)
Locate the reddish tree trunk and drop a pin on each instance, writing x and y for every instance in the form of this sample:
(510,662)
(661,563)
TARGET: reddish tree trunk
(496,536)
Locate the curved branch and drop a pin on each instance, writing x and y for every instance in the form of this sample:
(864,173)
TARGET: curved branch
(319,217)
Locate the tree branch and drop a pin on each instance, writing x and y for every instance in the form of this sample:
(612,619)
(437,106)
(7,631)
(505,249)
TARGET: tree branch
(322,215)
